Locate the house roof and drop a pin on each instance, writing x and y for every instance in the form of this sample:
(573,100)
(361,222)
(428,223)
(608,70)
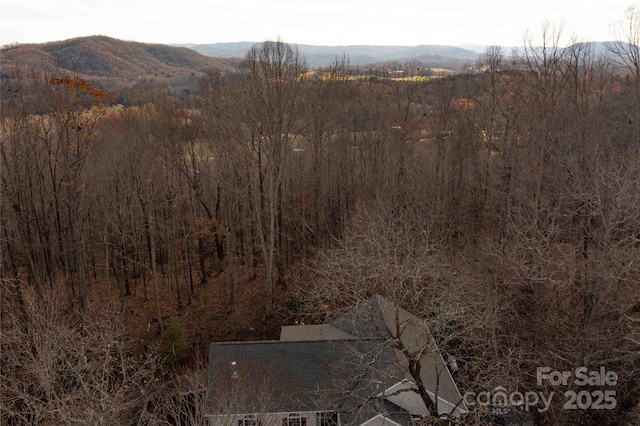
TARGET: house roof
(340,366)
(288,376)
(313,332)
(378,317)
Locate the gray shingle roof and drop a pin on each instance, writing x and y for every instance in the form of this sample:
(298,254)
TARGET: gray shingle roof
(313,332)
(295,376)
(340,366)
(378,317)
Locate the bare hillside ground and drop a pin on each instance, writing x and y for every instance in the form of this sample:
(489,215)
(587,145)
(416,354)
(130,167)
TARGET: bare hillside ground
(206,315)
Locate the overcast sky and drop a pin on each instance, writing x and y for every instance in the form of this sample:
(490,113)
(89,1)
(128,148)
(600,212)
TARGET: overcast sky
(326,22)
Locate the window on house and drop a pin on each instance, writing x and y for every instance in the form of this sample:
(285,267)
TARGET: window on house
(327,419)
(248,420)
(294,419)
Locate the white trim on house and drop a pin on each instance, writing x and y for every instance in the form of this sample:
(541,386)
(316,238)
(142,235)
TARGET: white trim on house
(267,418)
(404,395)
(460,409)
(385,420)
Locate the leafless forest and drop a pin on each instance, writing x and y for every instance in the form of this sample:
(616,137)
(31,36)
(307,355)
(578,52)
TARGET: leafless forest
(502,204)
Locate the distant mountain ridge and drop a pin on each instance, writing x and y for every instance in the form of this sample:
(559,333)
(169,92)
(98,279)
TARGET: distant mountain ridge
(115,64)
(357,54)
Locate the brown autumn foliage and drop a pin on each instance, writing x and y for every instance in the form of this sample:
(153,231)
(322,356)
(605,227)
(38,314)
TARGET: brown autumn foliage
(500,205)
(117,65)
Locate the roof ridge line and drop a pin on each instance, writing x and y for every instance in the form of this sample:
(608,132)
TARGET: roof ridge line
(247,342)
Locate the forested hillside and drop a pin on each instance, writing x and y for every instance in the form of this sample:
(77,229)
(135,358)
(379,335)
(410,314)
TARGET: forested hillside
(116,65)
(500,204)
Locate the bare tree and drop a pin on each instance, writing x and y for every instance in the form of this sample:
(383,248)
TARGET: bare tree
(393,252)
(59,370)
(625,52)
(181,400)
(274,77)
(57,132)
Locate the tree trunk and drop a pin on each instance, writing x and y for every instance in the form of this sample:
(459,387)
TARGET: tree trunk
(154,270)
